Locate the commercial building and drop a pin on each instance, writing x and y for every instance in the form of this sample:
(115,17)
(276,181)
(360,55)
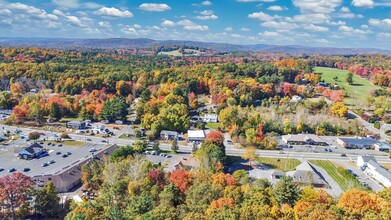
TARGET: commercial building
(382,146)
(212,118)
(303,139)
(305,174)
(357,142)
(195,135)
(33,151)
(77,124)
(168,135)
(70,176)
(370,166)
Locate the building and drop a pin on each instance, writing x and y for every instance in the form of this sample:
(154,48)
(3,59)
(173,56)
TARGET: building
(385,128)
(77,124)
(382,146)
(35,150)
(305,174)
(367,115)
(195,135)
(5,112)
(212,118)
(185,162)
(303,139)
(296,98)
(370,166)
(70,176)
(357,142)
(168,135)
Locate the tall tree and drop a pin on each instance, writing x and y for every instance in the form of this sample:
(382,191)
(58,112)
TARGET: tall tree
(14,190)
(55,111)
(47,201)
(286,191)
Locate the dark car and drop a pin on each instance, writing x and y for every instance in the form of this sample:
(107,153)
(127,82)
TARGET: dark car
(104,141)
(343,155)
(26,169)
(60,145)
(45,164)
(1,169)
(11,170)
(88,139)
(58,153)
(49,143)
(41,143)
(68,153)
(51,162)
(64,155)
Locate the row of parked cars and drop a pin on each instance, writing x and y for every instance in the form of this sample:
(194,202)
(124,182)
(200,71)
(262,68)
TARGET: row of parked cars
(157,153)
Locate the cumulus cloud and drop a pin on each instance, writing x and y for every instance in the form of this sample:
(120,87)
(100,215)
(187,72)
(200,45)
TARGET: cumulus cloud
(105,24)
(114,12)
(196,27)
(168,23)
(262,16)
(317,6)
(228,29)
(256,0)
(269,34)
(276,8)
(75,4)
(206,3)
(154,7)
(245,29)
(207,15)
(363,3)
(316,28)
(130,31)
(384,24)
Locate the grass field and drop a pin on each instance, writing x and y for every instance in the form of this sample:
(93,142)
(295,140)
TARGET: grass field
(343,178)
(213,125)
(279,164)
(358,91)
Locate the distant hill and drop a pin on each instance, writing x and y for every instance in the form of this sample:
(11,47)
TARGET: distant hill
(127,43)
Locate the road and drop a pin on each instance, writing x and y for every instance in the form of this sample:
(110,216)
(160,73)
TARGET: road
(229,151)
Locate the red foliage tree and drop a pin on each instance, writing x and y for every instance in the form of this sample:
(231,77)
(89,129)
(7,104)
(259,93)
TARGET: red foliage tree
(157,177)
(216,137)
(14,189)
(181,179)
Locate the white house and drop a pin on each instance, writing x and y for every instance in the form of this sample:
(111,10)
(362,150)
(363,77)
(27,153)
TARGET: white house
(196,135)
(370,166)
(213,118)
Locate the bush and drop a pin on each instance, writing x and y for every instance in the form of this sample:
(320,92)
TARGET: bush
(34,135)
(64,135)
(376,125)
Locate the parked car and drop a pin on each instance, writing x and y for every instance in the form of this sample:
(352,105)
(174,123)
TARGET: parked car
(230,142)
(88,139)
(64,155)
(1,169)
(68,153)
(60,145)
(45,164)
(51,161)
(26,169)
(343,155)
(11,170)
(58,153)
(92,150)
(104,141)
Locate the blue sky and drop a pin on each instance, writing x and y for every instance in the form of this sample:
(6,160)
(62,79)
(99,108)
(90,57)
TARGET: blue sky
(333,23)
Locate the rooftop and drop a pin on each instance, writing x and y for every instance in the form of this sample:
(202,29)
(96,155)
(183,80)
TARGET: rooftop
(302,137)
(359,141)
(195,133)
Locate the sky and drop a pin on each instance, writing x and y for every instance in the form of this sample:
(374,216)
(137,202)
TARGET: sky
(331,23)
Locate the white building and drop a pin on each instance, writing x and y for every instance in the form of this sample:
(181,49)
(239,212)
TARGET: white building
(213,118)
(357,142)
(370,166)
(382,146)
(195,135)
(296,98)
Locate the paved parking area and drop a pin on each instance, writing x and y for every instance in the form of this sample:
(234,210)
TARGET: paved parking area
(10,160)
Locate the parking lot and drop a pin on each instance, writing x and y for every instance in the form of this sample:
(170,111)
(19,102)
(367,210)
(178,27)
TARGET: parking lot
(10,160)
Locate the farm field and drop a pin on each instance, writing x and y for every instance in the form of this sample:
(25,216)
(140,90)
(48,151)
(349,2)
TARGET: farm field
(358,91)
(343,178)
(279,164)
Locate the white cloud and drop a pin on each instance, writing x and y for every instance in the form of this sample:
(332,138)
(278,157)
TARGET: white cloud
(196,27)
(154,7)
(114,12)
(207,12)
(75,4)
(168,23)
(206,17)
(32,11)
(322,41)
(105,24)
(137,26)
(383,36)
(311,18)
(276,8)
(363,3)
(262,16)
(245,29)
(317,6)
(316,28)
(206,3)
(74,20)
(256,0)
(269,34)
(185,22)
(345,10)
(228,29)
(384,24)
(5,11)
(347,30)
(130,31)
(281,26)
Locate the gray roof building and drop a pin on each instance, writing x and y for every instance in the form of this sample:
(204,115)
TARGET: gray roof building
(306,174)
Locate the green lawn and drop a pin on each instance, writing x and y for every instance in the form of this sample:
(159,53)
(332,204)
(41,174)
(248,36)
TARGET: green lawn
(358,91)
(213,125)
(343,178)
(284,164)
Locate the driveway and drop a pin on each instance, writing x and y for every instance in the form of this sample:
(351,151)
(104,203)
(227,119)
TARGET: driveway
(334,189)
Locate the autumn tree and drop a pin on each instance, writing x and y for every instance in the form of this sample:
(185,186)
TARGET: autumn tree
(34,135)
(47,201)
(356,203)
(55,111)
(339,109)
(14,190)
(249,154)
(174,146)
(181,179)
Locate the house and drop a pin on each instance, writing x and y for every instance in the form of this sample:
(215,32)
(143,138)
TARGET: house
(168,135)
(370,166)
(5,112)
(303,139)
(296,98)
(212,118)
(357,142)
(119,122)
(305,174)
(70,176)
(33,151)
(367,115)
(385,128)
(185,162)
(382,146)
(277,174)
(77,124)
(195,135)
